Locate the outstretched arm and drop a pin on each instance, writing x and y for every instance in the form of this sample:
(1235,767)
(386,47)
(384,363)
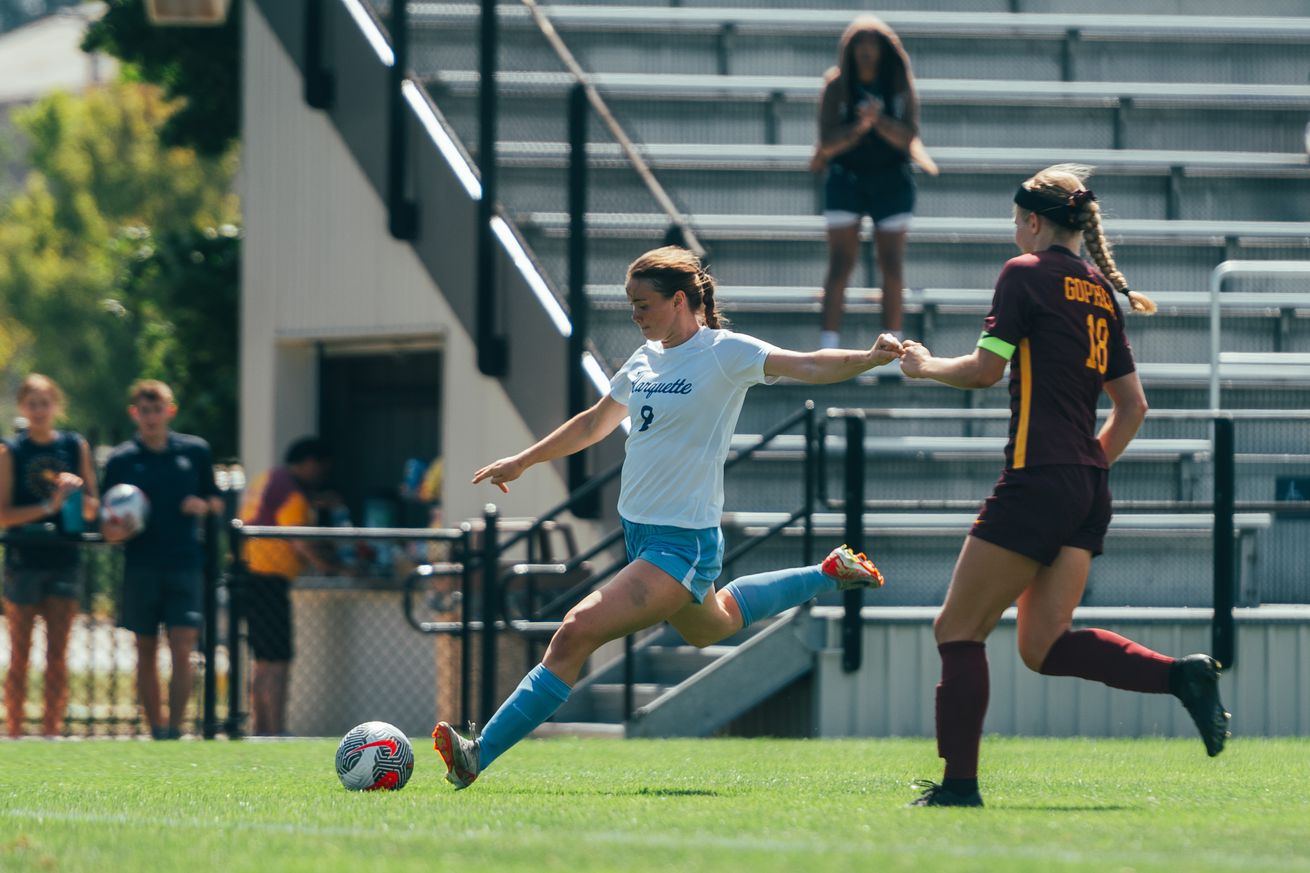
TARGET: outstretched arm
(831,365)
(982,369)
(584,429)
(1126,416)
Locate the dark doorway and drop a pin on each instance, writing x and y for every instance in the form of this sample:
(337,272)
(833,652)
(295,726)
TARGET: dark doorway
(378,410)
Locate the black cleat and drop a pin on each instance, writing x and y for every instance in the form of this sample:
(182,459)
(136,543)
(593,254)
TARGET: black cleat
(937,795)
(1195,681)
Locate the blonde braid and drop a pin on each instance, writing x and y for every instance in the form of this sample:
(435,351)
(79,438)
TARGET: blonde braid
(1098,247)
(1066,184)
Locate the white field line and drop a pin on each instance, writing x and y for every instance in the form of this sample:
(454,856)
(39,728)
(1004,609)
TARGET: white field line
(807,848)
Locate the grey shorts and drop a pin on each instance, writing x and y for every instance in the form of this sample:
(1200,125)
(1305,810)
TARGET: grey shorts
(28,586)
(152,597)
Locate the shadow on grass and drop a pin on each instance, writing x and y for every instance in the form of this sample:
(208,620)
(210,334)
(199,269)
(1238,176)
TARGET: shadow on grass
(674,792)
(1065,807)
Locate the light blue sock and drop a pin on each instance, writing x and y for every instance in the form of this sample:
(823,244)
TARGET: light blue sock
(538,696)
(764,594)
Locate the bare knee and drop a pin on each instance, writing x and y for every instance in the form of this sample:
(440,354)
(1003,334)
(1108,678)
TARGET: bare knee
(700,638)
(1035,644)
(574,639)
(1033,654)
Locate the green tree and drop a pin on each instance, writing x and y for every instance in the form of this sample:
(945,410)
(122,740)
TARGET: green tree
(81,296)
(199,65)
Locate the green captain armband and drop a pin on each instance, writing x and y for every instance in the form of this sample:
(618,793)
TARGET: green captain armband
(996,345)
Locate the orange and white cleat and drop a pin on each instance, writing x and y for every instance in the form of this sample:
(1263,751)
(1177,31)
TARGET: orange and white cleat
(460,754)
(851,569)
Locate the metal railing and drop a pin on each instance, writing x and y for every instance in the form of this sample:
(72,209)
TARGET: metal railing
(463,565)
(540,621)
(102,700)
(1222,507)
(1299,363)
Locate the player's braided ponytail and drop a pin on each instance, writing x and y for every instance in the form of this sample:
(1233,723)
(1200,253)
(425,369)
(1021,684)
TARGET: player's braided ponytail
(671,269)
(1059,195)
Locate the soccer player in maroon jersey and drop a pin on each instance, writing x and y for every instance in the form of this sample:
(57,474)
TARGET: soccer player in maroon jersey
(1055,320)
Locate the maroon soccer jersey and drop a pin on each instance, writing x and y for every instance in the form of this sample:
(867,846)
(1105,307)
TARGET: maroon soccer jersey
(1054,317)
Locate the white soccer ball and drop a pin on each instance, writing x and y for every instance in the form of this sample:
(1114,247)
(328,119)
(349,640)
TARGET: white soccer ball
(126,504)
(374,755)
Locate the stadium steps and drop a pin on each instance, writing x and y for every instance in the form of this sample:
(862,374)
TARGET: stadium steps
(954,111)
(714,178)
(803,42)
(681,690)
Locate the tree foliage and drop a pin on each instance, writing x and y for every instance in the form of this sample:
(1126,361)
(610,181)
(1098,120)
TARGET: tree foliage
(200,65)
(106,270)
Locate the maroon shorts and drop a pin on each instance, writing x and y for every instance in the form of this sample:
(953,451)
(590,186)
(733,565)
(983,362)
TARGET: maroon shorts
(1038,510)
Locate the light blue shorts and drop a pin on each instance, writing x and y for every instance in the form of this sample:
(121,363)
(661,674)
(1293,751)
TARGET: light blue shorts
(694,557)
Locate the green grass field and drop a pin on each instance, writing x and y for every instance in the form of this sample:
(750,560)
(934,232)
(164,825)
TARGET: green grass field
(609,805)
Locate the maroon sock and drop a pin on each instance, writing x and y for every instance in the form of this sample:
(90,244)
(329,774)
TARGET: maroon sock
(961,706)
(1104,656)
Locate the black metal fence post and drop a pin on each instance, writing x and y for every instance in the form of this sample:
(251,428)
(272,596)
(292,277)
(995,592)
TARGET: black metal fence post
(467,559)
(402,218)
(807,538)
(579,305)
(490,598)
(853,600)
(209,643)
(1223,631)
(235,576)
(492,348)
(320,85)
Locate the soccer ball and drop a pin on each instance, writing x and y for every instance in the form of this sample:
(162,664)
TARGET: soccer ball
(374,755)
(126,504)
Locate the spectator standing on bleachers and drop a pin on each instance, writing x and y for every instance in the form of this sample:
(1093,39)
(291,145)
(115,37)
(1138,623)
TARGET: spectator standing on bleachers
(46,480)
(284,497)
(868,136)
(163,582)
(682,392)
(1055,320)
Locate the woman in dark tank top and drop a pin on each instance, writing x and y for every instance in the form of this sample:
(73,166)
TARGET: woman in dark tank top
(40,469)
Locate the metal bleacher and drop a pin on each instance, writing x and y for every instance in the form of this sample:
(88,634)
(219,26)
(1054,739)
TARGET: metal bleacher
(1195,122)
(1195,116)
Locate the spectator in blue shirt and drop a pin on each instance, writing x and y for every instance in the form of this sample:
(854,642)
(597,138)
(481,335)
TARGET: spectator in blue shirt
(163,568)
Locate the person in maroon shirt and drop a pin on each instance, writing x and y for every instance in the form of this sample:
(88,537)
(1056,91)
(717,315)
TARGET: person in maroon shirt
(1056,322)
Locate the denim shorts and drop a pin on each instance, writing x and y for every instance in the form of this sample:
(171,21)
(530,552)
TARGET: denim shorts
(887,196)
(693,557)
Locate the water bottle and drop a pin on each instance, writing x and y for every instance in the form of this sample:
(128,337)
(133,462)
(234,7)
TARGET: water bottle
(70,514)
(345,550)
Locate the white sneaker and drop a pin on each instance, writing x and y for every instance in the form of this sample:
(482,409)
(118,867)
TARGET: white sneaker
(851,569)
(462,755)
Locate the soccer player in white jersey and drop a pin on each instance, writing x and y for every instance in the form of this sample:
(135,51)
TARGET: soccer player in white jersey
(682,391)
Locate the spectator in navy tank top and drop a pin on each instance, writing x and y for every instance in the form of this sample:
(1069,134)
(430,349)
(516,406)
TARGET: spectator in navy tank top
(868,136)
(40,469)
(1056,321)
(162,573)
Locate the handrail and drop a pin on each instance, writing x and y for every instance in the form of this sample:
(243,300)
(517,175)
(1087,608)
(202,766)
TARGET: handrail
(1217,277)
(616,130)
(1222,507)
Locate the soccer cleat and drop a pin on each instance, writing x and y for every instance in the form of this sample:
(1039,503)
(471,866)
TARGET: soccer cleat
(937,795)
(851,569)
(1195,681)
(460,754)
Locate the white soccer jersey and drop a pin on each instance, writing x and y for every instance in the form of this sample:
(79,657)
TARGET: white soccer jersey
(683,403)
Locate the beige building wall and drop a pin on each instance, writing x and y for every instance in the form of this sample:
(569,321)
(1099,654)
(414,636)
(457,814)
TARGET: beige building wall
(320,267)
